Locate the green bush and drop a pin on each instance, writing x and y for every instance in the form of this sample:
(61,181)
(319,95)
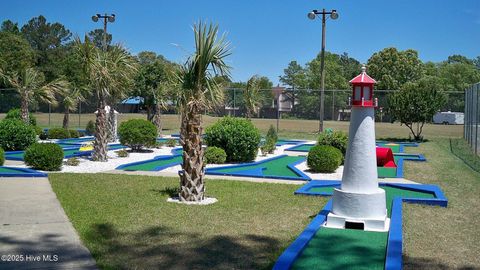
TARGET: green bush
(73,161)
(324,158)
(43,135)
(38,130)
(16,114)
(137,133)
(58,133)
(44,156)
(268,147)
(237,136)
(215,155)
(74,133)
(272,134)
(2,156)
(122,153)
(90,128)
(337,139)
(171,143)
(16,135)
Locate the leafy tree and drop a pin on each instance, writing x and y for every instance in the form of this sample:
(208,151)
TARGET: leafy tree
(295,77)
(416,103)
(108,73)
(10,27)
(154,71)
(392,68)
(15,53)
(199,90)
(457,76)
(30,85)
(47,39)
(96,36)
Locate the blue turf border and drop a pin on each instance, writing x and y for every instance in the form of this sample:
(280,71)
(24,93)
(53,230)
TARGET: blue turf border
(393,260)
(159,168)
(23,172)
(298,146)
(302,176)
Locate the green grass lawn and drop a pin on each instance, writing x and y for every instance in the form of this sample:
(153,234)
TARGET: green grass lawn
(126,222)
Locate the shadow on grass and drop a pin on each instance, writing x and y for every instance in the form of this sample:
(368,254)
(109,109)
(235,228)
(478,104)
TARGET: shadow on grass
(162,247)
(424,263)
(393,139)
(169,191)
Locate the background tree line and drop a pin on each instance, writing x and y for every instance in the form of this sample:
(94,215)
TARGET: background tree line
(48,47)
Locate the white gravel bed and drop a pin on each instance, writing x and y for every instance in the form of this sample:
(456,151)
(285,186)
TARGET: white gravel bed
(337,175)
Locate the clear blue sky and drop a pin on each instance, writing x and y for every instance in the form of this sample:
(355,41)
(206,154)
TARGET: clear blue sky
(267,35)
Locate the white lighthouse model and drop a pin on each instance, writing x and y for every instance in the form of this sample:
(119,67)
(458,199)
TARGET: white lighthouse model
(360,203)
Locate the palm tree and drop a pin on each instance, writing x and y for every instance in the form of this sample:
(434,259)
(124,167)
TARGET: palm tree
(109,73)
(30,85)
(160,95)
(71,98)
(252,98)
(198,91)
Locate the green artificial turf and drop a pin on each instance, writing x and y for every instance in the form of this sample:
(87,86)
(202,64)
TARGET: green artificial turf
(351,249)
(276,167)
(153,164)
(384,172)
(303,147)
(395,147)
(7,170)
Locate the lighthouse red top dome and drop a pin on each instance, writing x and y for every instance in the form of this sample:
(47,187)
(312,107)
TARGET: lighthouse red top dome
(363,78)
(362,90)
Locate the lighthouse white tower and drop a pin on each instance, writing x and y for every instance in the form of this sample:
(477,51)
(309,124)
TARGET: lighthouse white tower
(360,203)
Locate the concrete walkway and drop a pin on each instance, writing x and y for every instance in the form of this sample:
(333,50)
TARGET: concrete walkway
(35,230)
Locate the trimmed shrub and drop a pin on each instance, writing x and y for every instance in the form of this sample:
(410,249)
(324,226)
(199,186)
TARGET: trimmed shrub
(137,133)
(16,135)
(324,158)
(337,139)
(43,135)
(38,130)
(171,143)
(122,153)
(73,161)
(2,156)
(58,133)
(215,155)
(44,156)
(237,136)
(90,128)
(268,147)
(17,114)
(272,134)
(74,133)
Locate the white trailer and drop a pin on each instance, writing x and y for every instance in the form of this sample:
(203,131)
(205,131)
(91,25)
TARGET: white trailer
(449,118)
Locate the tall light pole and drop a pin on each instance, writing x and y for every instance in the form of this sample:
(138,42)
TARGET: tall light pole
(312,15)
(106,19)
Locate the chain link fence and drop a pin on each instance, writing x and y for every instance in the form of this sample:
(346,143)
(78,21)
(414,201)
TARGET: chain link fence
(277,103)
(472,117)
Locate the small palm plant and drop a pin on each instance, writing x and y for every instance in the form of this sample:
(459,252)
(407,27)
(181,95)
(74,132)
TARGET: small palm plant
(109,74)
(31,86)
(71,98)
(252,98)
(199,90)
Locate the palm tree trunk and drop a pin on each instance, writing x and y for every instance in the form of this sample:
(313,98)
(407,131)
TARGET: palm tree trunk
(24,110)
(66,119)
(157,119)
(192,186)
(112,131)
(100,144)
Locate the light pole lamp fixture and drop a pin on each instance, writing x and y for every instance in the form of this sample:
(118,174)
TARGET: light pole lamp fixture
(106,19)
(312,15)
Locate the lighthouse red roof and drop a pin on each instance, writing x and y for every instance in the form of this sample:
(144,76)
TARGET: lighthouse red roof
(363,78)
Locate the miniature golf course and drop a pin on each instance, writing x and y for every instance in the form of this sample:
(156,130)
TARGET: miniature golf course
(395,146)
(281,167)
(353,249)
(156,164)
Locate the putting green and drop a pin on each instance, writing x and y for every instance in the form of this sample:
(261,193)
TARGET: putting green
(154,164)
(271,168)
(8,170)
(350,249)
